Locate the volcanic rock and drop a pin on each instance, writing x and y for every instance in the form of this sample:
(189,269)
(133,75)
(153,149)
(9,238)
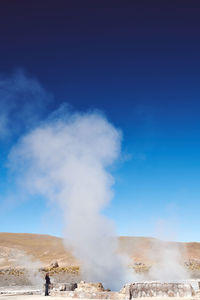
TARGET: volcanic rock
(90,287)
(54,264)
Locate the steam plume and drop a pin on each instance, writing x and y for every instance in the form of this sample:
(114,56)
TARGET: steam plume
(67,161)
(30,265)
(168,262)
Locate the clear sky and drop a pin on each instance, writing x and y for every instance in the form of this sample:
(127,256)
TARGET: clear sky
(139,63)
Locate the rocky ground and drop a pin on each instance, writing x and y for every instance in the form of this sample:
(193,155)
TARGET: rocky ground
(21,281)
(14,277)
(30,297)
(39,297)
(21,277)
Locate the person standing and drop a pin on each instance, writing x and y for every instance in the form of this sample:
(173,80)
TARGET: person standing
(47,283)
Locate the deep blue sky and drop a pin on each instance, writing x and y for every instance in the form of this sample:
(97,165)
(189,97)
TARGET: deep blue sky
(138,62)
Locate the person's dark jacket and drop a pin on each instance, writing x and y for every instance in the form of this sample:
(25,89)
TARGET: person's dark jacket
(47,278)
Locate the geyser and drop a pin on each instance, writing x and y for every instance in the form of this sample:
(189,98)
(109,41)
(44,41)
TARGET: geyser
(67,160)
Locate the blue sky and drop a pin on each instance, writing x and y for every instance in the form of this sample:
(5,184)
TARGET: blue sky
(136,61)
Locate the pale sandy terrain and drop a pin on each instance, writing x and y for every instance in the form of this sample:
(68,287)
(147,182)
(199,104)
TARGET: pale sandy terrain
(34,297)
(31,297)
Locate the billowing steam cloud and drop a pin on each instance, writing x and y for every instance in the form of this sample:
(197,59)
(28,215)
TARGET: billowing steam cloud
(67,161)
(30,265)
(168,260)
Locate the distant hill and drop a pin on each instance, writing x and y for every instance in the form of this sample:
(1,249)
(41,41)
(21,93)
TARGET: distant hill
(46,249)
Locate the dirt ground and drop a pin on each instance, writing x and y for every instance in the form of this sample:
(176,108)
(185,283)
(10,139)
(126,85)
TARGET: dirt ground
(21,280)
(29,297)
(39,297)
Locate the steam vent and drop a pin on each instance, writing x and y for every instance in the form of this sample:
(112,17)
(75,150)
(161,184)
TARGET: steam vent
(85,290)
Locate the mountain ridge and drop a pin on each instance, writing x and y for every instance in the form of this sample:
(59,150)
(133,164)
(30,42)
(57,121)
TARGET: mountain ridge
(47,248)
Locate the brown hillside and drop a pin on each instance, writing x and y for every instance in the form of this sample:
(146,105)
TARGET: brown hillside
(46,249)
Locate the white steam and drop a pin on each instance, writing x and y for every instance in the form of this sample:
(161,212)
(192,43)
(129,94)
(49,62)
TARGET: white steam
(31,267)
(168,260)
(21,260)
(67,161)
(168,257)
